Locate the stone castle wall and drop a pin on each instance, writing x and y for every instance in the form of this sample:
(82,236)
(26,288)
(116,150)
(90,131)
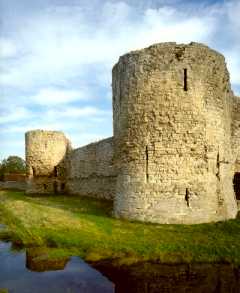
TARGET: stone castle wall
(175,151)
(46,152)
(13,181)
(53,167)
(13,185)
(18,177)
(172,131)
(91,171)
(236,131)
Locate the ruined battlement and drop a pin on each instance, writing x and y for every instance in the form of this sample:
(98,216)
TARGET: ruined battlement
(45,155)
(172,127)
(174,155)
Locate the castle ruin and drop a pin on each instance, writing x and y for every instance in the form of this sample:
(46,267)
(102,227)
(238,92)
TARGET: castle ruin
(175,153)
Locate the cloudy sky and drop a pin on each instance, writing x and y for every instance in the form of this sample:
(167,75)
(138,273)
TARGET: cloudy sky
(56,57)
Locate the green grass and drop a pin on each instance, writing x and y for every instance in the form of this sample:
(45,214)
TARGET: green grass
(83,226)
(3,290)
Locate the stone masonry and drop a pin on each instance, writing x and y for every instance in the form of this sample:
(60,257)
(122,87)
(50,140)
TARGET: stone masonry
(46,154)
(174,156)
(91,171)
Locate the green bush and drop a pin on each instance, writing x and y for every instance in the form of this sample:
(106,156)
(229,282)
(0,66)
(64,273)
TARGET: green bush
(13,164)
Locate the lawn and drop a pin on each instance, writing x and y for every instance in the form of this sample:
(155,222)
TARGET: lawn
(85,227)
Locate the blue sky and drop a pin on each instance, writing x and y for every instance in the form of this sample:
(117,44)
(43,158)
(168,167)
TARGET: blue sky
(57,56)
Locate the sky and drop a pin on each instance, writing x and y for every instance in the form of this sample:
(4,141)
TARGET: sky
(57,56)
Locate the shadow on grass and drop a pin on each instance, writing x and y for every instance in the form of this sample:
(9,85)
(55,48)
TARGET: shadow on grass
(70,203)
(90,207)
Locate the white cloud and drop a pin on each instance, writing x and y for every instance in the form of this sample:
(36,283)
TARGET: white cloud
(11,146)
(7,48)
(60,118)
(233,63)
(77,112)
(55,96)
(21,129)
(14,114)
(168,24)
(61,42)
(62,56)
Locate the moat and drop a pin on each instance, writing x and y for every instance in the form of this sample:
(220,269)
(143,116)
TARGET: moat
(19,274)
(75,276)
(178,258)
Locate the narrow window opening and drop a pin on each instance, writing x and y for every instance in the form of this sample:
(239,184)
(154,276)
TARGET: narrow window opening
(185,80)
(236,185)
(187,197)
(33,171)
(218,166)
(45,186)
(147,157)
(55,172)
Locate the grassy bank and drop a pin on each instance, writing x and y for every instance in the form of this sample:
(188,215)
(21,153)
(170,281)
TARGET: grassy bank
(84,227)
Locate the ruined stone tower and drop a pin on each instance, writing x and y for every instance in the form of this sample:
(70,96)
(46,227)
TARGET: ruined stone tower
(175,153)
(172,130)
(45,154)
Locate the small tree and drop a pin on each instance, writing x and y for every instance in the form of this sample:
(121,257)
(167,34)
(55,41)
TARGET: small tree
(13,164)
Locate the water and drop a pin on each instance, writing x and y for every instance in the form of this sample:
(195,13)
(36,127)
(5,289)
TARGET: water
(21,273)
(181,278)
(77,276)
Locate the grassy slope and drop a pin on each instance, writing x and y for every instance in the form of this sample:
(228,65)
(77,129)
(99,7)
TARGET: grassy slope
(84,227)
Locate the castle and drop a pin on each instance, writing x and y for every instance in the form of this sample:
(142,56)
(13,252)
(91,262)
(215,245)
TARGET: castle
(175,153)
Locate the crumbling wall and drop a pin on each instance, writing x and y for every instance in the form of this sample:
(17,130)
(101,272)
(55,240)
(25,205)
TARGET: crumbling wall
(172,132)
(46,152)
(236,146)
(236,131)
(53,167)
(17,177)
(13,181)
(16,185)
(175,150)
(90,170)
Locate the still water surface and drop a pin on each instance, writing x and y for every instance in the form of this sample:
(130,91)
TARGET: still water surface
(19,273)
(77,276)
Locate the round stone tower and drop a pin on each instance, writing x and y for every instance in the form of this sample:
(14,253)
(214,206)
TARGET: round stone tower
(45,160)
(172,131)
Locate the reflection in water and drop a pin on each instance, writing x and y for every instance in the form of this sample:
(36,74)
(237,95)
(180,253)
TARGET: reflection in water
(76,277)
(37,261)
(155,278)
(72,276)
